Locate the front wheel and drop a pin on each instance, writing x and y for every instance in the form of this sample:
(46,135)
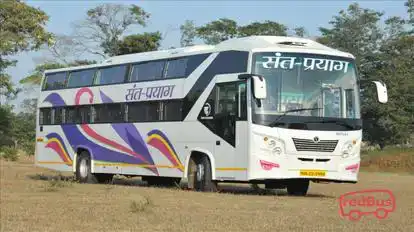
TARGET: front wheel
(298,187)
(203,180)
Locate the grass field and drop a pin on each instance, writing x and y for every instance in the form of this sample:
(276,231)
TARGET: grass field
(32,201)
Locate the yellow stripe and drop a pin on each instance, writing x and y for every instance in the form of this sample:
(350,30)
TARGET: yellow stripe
(168,147)
(231,169)
(61,147)
(53,162)
(135,165)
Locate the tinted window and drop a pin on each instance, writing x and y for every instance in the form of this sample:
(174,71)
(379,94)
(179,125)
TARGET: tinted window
(111,75)
(58,116)
(171,110)
(70,115)
(194,61)
(55,81)
(83,114)
(45,116)
(176,68)
(143,111)
(78,114)
(109,113)
(81,78)
(147,71)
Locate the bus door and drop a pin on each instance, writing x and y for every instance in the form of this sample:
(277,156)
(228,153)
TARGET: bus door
(225,113)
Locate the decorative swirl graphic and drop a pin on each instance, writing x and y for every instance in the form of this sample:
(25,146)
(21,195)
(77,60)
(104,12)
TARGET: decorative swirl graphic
(55,142)
(159,140)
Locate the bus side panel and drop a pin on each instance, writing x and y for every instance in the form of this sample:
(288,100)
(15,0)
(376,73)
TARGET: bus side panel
(53,151)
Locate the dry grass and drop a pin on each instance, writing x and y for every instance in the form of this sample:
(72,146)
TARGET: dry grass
(127,205)
(397,160)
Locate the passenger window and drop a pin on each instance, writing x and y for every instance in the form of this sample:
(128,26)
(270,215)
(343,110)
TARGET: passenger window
(81,78)
(111,75)
(55,81)
(176,68)
(147,71)
(58,116)
(109,113)
(143,111)
(45,116)
(78,114)
(171,110)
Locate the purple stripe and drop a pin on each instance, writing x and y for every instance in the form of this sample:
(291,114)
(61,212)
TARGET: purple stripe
(77,139)
(55,99)
(131,136)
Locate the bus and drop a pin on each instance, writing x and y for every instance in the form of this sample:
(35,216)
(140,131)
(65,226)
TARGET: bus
(278,111)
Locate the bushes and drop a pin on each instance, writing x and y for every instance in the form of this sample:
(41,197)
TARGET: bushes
(9,153)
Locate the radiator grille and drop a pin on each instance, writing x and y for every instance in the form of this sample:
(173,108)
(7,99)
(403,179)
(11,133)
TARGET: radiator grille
(310,145)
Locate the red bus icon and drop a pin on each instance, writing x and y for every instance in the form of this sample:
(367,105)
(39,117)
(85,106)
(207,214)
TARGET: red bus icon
(354,205)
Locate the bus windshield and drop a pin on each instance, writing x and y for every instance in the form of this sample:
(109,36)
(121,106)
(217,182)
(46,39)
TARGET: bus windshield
(307,85)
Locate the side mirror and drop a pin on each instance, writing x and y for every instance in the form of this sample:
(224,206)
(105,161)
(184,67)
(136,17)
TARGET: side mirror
(259,85)
(381,91)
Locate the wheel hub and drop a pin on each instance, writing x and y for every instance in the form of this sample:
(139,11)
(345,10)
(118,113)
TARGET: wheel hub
(200,172)
(83,168)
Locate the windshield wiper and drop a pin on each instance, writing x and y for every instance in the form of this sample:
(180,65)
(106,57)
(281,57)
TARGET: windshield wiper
(273,124)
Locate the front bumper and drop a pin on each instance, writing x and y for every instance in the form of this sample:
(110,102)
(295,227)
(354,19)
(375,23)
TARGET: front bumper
(331,168)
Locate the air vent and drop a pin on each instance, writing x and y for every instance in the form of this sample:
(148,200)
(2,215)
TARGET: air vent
(310,145)
(291,43)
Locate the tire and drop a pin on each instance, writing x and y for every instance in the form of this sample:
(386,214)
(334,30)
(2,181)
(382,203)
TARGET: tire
(203,176)
(83,169)
(84,174)
(298,187)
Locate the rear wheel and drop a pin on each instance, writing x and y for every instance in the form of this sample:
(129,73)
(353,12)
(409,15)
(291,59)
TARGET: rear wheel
(83,171)
(298,187)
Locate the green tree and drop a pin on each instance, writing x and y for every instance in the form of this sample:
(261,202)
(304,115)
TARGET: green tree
(24,126)
(300,31)
(263,28)
(188,33)
(104,25)
(355,30)
(382,54)
(21,29)
(218,31)
(410,9)
(139,43)
(394,122)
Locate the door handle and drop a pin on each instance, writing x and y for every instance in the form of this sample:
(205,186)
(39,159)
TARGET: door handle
(218,142)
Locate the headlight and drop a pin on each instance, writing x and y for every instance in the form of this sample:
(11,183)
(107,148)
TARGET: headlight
(274,146)
(348,149)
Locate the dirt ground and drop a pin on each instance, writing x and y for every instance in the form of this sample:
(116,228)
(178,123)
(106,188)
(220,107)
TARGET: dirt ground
(31,201)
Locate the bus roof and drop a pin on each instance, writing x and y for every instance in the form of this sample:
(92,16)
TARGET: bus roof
(250,43)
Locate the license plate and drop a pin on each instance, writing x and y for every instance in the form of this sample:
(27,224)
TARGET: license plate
(312,172)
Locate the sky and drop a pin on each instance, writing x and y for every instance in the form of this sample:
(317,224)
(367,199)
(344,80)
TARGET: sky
(167,16)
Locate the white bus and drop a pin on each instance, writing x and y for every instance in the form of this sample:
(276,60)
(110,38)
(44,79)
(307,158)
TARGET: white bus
(279,111)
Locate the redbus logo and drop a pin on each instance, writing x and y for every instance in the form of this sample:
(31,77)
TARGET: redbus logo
(354,205)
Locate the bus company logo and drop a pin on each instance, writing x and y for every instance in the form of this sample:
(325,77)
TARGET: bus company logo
(207,109)
(354,205)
